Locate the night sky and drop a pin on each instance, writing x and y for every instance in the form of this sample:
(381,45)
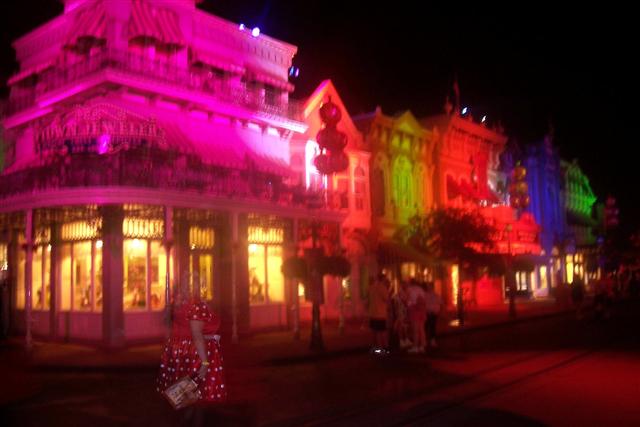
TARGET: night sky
(525,67)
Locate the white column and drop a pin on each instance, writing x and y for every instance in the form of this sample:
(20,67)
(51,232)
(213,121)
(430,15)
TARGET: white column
(28,268)
(234,277)
(168,243)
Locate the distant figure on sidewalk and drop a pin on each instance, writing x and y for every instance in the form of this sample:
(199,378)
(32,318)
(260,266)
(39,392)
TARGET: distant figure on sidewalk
(193,349)
(417,306)
(577,296)
(603,297)
(378,310)
(434,307)
(401,316)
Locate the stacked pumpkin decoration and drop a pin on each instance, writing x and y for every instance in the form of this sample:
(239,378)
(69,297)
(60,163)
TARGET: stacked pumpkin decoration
(518,189)
(332,142)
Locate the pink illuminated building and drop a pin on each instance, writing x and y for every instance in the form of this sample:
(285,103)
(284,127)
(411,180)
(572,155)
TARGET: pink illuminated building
(148,143)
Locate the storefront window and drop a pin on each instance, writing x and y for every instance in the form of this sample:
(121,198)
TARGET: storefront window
(266,282)
(20,280)
(97,274)
(145,274)
(201,242)
(275,279)
(135,274)
(4,257)
(41,274)
(81,276)
(569,267)
(257,276)
(543,277)
(158,275)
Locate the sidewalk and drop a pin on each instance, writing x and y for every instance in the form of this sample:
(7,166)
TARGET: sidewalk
(272,348)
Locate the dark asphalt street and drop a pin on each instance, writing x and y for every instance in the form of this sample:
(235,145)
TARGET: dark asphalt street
(555,371)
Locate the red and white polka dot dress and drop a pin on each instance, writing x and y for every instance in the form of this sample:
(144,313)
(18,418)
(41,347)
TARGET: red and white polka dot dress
(180,357)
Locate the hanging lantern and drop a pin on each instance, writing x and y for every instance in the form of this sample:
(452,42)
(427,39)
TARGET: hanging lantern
(339,161)
(321,163)
(518,188)
(330,114)
(519,173)
(331,141)
(522,187)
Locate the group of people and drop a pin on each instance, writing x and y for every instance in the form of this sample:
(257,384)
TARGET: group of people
(409,312)
(610,287)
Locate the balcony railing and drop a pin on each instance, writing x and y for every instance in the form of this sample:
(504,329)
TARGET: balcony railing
(143,68)
(144,168)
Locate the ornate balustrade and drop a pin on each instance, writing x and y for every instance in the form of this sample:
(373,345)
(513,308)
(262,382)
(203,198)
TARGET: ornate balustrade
(227,90)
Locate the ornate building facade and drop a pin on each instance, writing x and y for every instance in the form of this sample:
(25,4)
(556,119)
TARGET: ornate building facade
(468,175)
(149,143)
(401,171)
(580,202)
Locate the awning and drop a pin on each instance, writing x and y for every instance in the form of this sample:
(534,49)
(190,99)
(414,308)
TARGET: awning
(156,23)
(393,253)
(267,78)
(215,61)
(212,154)
(89,25)
(268,164)
(29,72)
(235,156)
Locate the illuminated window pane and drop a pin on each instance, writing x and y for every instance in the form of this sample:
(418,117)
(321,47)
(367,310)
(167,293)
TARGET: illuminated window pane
(158,275)
(257,273)
(205,267)
(135,274)
(37,296)
(275,279)
(20,300)
(570,272)
(97,274)
(41,278)
(455,282)
(65,277)
(82,276)
(4,257)
(543,277)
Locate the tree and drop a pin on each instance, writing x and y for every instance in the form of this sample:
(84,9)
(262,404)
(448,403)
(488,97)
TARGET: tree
(451,234)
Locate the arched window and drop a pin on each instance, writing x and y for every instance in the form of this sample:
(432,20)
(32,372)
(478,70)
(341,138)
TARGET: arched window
(403,183)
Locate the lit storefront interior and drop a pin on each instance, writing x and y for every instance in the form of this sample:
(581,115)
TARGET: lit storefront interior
(266,282)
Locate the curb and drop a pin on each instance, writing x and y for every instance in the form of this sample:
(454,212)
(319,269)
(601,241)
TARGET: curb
(293,360)
(289,359)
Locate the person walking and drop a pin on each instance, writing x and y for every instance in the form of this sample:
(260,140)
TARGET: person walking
(401,318)
(378,310)
(193,349)
(433,308)
(417,307)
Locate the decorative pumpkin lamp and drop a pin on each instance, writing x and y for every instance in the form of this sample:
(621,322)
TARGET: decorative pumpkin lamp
(519,189)
(332,142)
